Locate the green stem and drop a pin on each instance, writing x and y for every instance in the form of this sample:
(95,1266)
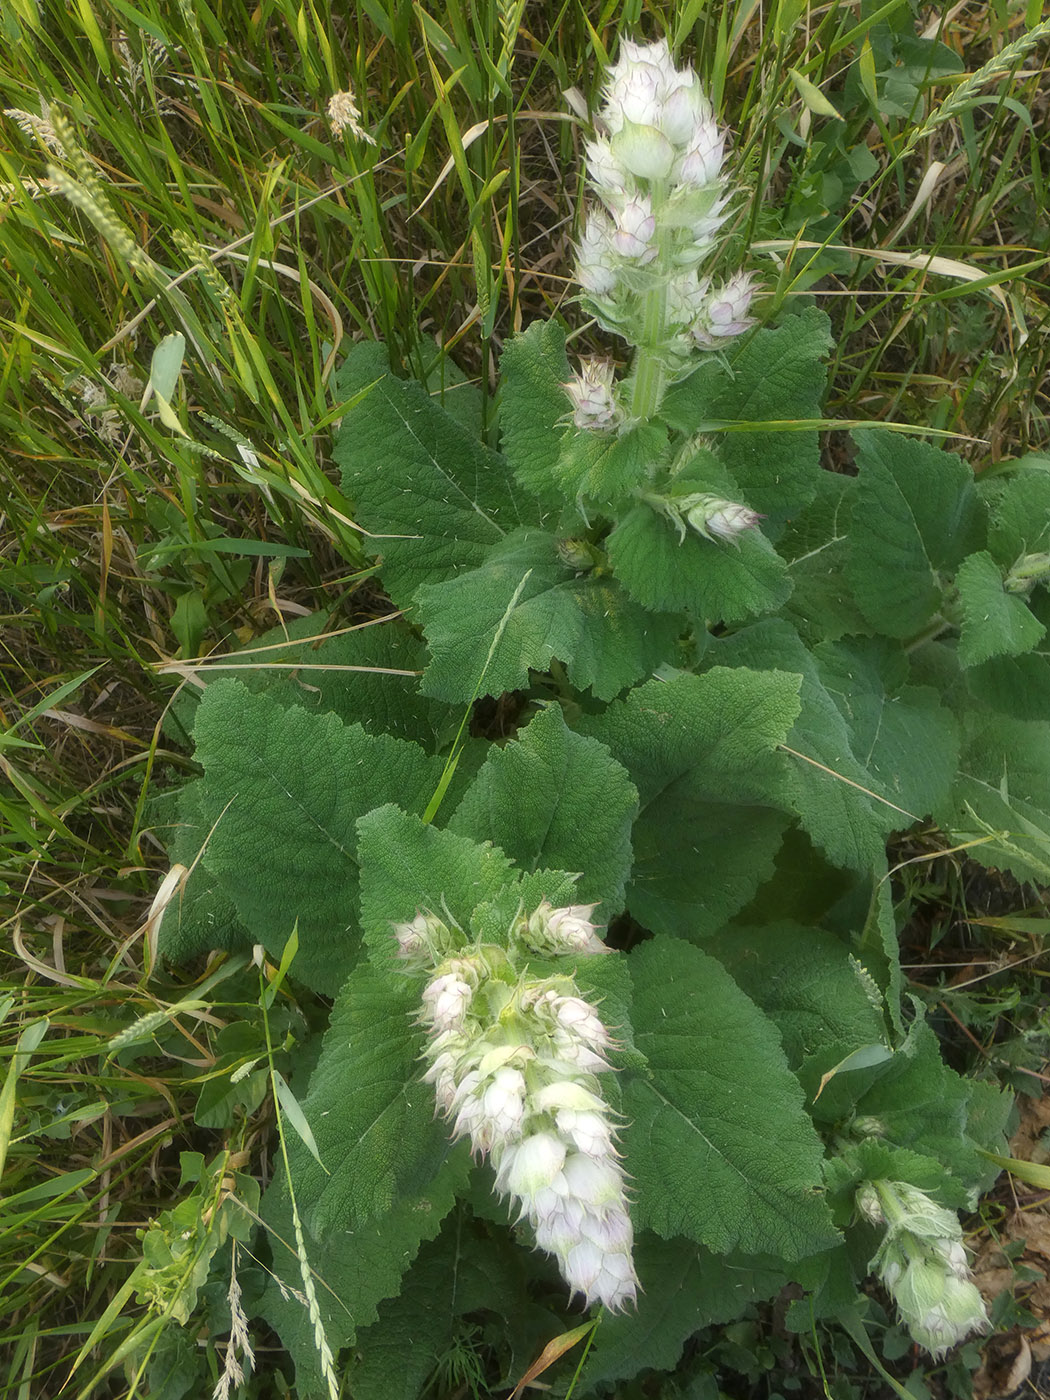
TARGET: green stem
(650,373)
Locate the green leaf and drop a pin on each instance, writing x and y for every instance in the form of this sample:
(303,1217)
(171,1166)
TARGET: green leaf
(605,640)
(901,734)
(830,789)
(717,581)
(1019,686)
(803,980)
(462,1271)
(701,751)
(201,916)
(816,546)
(282,789)
(683,1288)
(377,1138)
(408,866)
(434,496)
(605,468)
(775,375)
(355,1268)
(995,623)
(916,513)
(1020,511)
(719,1145)
(551,797)
(1001,799)
(534,369)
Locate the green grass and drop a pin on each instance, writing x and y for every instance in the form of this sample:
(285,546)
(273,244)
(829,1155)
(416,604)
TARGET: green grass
(196,191)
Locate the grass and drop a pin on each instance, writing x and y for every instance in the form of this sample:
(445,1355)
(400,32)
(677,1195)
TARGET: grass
(186,247)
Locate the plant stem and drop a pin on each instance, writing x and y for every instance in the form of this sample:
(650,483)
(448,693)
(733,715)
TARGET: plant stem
(650,374)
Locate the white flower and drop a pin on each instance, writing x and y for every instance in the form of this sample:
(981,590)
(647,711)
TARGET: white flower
(701,161)
(634,228)
(445,1002)
(596,256)
(724,311)
(604,171)
(532,1165)
(592,398)
(565,930)
(717,519)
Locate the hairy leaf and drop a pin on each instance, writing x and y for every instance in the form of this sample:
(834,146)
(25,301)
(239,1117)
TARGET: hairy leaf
(282,789)
(831,791)
(1001,799)
(995,623)
(803,980)
(684,1288)
(776,375)
(916,513)
(604,638)
(718,581)
(431,496)
(407,866)
(701,751)
(532,402)
(555,798)
(719,1144)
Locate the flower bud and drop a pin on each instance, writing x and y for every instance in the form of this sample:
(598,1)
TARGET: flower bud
(596,256)
(592,397)
(445,1002)
(643,150)
(606,173)
(531,1165)
(634,228)
(422,941)
(716,519)
(923,1265)
(1030,569)
(567,930)
(724,313)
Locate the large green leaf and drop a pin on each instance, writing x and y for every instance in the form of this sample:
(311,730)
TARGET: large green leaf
(1020,511)
(683,1288)
(901,734)
(431,496)
(776,375)
(532,407)
(831,791)
(994,622)
(803,980)
(605,467)
(1001,799)
(1018,686)
(355,1269)
(281,792)
(201,916)
(407,866)
(555,798)
(816,546)
(718,581)
(701,751)
(465,1270)
(916,515)
(527,608)
(719,1144)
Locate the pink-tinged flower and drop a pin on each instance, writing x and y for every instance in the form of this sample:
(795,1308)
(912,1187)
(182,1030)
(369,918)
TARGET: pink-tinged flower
(566,930)
(445,1002)
(591,392)
(701,161)
(725,309)
(596,269)
(604,171)
(634,228)
(636,85)
(716,519)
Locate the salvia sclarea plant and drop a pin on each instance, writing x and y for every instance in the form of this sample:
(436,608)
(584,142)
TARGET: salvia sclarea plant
(618,1016)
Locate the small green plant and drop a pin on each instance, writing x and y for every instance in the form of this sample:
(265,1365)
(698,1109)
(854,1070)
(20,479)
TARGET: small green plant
(727,676)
